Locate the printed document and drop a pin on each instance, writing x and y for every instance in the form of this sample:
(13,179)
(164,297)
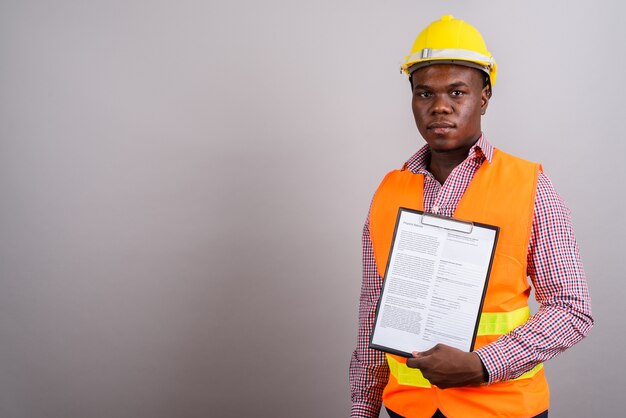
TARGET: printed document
(434,284)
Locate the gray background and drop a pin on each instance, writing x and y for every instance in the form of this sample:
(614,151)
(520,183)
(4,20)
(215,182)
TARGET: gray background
(183,186)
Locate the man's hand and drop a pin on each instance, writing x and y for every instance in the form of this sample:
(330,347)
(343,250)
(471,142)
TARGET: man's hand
(448,367)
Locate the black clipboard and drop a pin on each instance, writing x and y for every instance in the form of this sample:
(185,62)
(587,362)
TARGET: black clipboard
(457,232)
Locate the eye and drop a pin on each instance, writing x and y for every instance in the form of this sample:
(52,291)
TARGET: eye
(457,93)
(423,94)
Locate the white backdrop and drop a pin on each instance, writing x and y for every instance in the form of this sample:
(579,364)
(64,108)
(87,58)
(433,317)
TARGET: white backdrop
(184,185)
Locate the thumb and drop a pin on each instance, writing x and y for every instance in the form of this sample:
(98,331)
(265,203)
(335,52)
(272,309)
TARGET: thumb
(416,361)
(425,353)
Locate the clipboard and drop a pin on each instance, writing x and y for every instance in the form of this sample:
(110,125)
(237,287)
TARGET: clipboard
(435,283)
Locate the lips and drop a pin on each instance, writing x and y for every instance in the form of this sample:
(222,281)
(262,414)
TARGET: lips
(441,127)
(441,124)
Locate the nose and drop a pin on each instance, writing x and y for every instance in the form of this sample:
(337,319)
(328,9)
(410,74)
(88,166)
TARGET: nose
(441,104)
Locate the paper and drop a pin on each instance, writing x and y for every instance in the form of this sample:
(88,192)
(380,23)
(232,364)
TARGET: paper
(434,284)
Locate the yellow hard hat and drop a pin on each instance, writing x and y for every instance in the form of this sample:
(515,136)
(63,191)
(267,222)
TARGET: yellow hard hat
(450,40)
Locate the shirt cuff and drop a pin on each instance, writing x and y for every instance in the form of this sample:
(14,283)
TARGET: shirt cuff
(495,362)
(364,410)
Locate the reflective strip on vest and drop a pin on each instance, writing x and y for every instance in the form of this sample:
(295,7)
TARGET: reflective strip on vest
(491,323)
(500,323)
(414,377)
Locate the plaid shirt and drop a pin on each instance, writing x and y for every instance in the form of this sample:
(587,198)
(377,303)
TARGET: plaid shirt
(554,267)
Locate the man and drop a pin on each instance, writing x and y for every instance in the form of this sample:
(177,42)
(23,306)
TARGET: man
(459,173)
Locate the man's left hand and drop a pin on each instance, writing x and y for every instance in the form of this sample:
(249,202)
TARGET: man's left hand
(448,367)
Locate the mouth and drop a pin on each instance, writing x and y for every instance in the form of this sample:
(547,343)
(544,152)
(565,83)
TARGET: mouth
(441,127)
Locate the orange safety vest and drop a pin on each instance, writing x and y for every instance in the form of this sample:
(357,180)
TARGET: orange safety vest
(501,193)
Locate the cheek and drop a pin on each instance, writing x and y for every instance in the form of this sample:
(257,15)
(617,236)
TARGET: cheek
(472,112)
(417,111)
(419,117)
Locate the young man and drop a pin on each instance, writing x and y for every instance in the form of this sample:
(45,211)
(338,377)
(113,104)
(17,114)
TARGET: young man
(459,173)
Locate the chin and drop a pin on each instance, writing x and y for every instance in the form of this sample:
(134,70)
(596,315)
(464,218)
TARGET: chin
(442,144)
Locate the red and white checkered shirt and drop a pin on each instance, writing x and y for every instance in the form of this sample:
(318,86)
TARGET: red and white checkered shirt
(554,266)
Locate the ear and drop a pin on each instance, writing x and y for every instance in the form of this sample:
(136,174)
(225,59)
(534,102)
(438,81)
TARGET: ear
(484,99)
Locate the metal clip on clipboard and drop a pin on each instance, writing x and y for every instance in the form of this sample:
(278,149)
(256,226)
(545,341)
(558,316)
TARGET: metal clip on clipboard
(447,223)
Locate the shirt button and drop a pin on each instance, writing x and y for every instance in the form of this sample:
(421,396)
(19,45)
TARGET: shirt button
(435,209)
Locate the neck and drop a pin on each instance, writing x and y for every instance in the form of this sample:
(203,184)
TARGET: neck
(442,163)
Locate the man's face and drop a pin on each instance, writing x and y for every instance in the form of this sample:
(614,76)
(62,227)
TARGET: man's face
(448,101)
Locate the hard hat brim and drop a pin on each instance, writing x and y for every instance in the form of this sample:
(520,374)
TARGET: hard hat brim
(413,67)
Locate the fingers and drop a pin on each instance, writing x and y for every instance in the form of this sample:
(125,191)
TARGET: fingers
(420,360)
(430,351)
(415,363)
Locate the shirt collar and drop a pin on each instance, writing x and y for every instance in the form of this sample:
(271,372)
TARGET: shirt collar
(481,150)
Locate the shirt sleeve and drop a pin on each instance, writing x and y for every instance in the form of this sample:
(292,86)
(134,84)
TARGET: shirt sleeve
(369,371)
(555,269)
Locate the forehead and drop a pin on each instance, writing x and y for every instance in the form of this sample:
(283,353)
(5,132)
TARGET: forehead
(446,74)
